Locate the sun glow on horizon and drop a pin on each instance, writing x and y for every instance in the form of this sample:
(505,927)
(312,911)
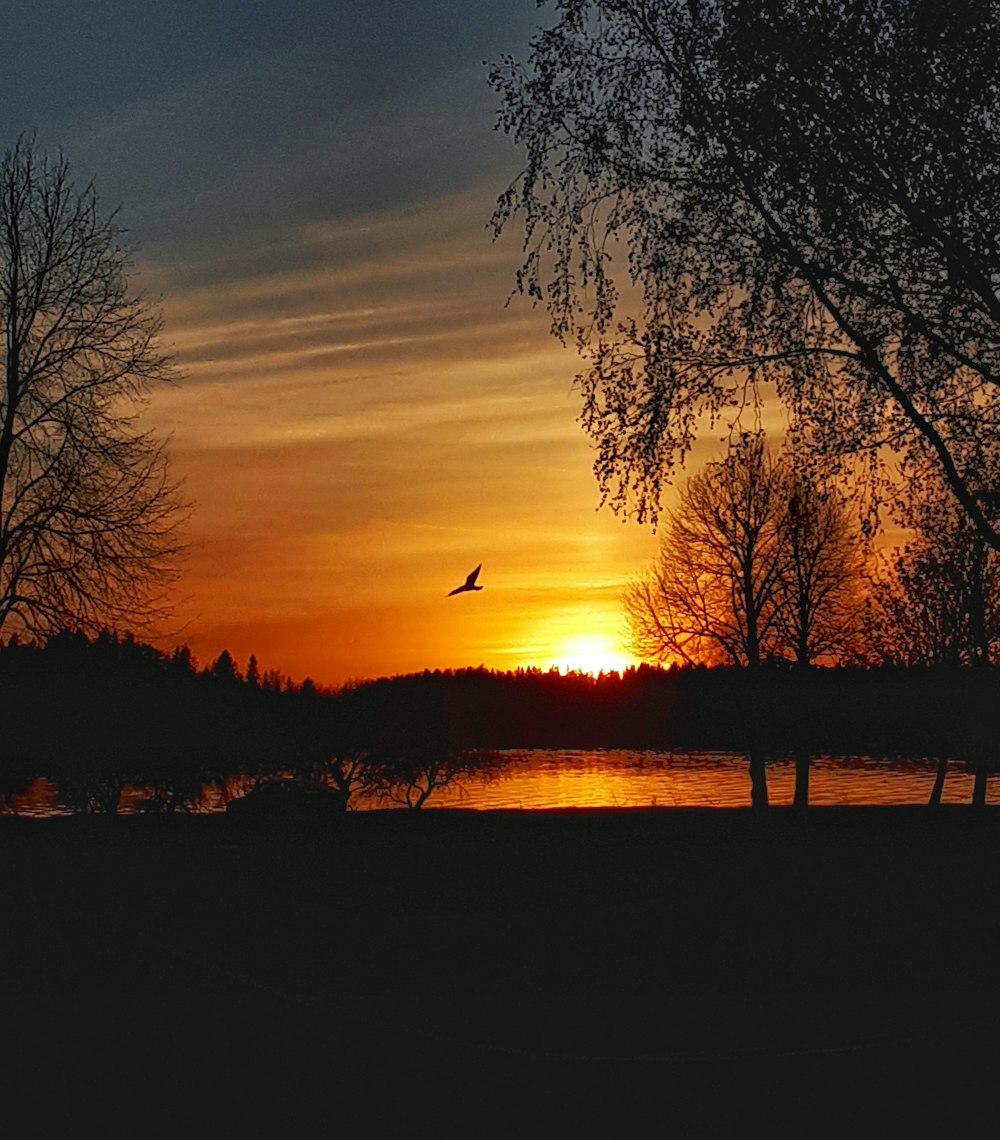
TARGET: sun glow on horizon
(591,653)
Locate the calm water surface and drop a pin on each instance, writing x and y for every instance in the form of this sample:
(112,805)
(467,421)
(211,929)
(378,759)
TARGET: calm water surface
(603,778)
(544,779)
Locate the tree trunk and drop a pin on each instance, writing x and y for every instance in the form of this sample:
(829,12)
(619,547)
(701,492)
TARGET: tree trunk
(803,656)
(341,792)
(758,781)
(977,608)
(942,771)
(979,787)
(801,780)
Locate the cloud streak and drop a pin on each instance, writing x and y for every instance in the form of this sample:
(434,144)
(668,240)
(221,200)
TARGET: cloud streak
(360,418)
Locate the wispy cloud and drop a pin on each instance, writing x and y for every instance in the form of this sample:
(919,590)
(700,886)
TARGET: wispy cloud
(360,418)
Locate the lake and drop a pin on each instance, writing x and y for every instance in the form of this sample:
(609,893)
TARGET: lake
(606,778)
(602,778)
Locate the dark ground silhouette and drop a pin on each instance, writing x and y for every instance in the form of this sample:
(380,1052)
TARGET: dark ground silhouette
(576,973)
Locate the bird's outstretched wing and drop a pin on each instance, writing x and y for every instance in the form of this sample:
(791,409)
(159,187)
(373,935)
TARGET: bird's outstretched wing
(469,583)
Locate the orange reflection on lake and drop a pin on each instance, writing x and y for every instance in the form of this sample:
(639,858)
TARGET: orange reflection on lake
(604,778)
(540,779)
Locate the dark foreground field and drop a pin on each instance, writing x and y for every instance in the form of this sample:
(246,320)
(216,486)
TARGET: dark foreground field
(582,973)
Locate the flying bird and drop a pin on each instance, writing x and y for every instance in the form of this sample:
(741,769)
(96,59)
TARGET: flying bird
(469,583)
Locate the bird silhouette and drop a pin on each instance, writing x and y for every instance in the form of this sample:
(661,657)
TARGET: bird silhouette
(469,583)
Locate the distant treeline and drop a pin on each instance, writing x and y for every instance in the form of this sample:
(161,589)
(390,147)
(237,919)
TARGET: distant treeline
(97,715)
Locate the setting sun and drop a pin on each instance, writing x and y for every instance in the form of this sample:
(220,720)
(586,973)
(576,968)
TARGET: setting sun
(591,653)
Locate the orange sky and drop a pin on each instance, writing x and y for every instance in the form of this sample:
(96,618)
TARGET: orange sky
(357,435)
(360,420)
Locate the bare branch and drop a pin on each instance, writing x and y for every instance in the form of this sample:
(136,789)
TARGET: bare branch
(88,513)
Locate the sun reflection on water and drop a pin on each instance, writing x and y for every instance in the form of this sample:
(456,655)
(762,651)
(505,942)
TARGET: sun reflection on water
(542,779)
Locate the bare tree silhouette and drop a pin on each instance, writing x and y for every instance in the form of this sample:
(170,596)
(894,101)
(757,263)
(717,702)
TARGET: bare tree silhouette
(934,599)
(711,598)
(88,512)
(756,560)
(821,583)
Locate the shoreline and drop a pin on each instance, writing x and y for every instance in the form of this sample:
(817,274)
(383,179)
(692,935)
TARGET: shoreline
(861,820)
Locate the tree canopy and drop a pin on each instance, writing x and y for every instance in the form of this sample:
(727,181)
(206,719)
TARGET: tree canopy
(722,192)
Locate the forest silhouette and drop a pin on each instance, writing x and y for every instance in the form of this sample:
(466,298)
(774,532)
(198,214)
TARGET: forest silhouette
(95,715)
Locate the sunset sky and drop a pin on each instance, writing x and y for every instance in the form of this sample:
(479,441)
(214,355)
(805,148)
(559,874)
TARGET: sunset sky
(360,419)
